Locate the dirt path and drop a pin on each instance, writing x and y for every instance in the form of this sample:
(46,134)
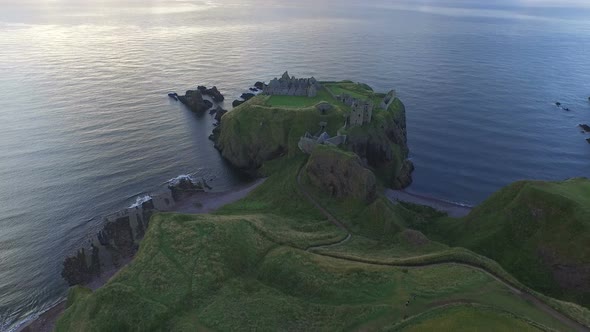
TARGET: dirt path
(537,302)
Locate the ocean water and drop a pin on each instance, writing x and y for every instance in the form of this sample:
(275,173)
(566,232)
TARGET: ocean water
(86,127)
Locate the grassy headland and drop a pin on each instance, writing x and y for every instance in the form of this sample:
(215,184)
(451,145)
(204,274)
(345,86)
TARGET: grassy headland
(264,262)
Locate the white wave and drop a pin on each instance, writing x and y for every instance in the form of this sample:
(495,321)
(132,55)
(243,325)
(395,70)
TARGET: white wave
(140,200)
(177,179)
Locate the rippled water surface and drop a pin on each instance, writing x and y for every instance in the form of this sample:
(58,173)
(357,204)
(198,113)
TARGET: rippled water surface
(86,127)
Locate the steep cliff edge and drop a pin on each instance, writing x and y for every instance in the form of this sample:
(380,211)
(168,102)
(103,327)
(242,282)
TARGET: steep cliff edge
(267,127)
(382,145)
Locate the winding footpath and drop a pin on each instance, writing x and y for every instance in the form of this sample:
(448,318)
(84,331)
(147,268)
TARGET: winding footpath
(523,294)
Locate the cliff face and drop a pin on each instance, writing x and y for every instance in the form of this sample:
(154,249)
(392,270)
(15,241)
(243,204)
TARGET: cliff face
(340,174)
(254,133)
(382,145)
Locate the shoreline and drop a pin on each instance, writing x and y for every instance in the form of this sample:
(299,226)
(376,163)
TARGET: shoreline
(454,210)
(197,203)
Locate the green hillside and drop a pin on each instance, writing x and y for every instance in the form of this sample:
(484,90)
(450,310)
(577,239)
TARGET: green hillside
(538,231)
(317,247)
(246,267)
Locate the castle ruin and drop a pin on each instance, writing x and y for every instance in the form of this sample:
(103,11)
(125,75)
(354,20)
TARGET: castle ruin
(291,86)
(361,111)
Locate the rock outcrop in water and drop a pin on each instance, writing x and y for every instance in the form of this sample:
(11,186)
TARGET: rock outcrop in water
(193,99)
(213,93)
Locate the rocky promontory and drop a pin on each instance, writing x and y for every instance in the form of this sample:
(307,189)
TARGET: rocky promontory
(267,126)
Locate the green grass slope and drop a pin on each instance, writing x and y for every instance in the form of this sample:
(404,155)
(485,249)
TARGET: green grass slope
(538,231)
(246,268)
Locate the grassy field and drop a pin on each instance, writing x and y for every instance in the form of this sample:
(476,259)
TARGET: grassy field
(466,318)
(298,101)
(528,227)
(245,268)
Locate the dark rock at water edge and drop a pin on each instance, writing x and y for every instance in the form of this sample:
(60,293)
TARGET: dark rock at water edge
(237,102)
(585,127)
(115,244)
(79,269)
(219,113)
(184,186)
(208,104)
(213,93)
(260,86)
(588,140)
(193,99)
(247,96)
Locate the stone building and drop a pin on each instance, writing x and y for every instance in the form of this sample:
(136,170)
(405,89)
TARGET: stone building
(361,111)
(291,86)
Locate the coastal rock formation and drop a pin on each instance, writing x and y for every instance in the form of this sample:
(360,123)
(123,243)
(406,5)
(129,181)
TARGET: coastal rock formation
(213,93)
(183,187)
(340,174)
(259,85)
(208,104)
(258,132)
(585,127)
(382,145)
(219,113)
(116,243)
(247,95)
(80,269)
(193,99)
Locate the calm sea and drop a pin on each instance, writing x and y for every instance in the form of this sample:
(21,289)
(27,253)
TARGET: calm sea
(86,127)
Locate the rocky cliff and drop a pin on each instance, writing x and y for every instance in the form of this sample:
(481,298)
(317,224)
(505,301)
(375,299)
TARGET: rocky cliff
(382,145)
(340,174)
(257,131)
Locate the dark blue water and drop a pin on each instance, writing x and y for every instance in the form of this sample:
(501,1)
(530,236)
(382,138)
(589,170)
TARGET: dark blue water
(85,126)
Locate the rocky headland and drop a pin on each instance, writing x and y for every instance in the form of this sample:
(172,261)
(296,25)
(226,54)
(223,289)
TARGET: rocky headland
(266,127)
